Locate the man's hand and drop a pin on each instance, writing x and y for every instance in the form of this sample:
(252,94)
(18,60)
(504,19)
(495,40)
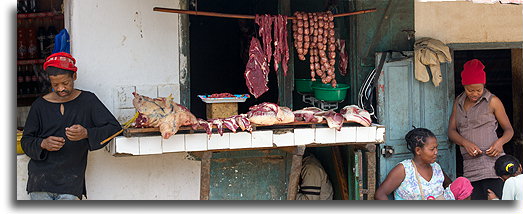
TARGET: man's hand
(472,149)
(495,149)
(52,143)
(76,132)
(492,195)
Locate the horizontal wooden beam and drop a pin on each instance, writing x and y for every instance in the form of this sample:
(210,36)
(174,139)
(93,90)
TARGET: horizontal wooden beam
(241,16)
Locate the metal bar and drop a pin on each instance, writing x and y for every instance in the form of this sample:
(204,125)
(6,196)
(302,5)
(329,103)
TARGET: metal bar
(241,16)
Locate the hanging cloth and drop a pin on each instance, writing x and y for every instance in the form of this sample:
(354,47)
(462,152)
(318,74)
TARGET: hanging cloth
(430,52)
(61,42)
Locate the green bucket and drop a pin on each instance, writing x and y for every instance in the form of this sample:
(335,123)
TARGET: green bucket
(304,85)
(326,92)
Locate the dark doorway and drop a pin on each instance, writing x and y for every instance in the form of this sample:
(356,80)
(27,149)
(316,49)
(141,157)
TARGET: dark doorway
(219,51)
(498,66)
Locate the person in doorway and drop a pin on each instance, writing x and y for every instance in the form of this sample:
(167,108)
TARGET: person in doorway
(315,184)
(508,168)
(61,128)
(472,126)
(419,178)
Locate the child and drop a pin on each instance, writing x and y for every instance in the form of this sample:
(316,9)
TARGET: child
(508,168)
(461,188)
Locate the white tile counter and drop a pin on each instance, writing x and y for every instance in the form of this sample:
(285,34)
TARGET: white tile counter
(244,140)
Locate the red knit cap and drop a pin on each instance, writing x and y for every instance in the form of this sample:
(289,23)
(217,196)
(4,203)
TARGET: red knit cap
(473,73)
(61,60)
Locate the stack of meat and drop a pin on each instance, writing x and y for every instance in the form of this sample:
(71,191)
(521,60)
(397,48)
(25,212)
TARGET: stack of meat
(232,123)
(163,113)
(257,69)
(269,114)
(314,35)
(351,113)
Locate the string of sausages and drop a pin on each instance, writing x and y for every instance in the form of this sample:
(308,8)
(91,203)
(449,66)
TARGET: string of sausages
(314,35)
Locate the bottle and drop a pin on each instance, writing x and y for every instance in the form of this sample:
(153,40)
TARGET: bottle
(42,42)
(28,80)
(51,33)
(32,47)
(23,6)
(20,80)
(34,80)
(21,42)
(32,6)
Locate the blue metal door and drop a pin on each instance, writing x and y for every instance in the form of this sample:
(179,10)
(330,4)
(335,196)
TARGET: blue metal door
(404,102)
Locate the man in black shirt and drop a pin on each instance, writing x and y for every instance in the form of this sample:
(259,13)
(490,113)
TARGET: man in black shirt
(61,128)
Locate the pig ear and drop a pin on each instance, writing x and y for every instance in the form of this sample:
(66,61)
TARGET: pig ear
(135,94)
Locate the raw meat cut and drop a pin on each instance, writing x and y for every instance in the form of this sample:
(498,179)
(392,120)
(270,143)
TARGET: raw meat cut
(353,113)
(263,114)
(219,125)
(284,115)
(231,123)
(257,70)
(163,113)
(344,57)
(334,120)
(243,122)
(308,114)
(265,23)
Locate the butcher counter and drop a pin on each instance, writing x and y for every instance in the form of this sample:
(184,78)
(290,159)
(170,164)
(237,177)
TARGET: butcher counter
(291,140)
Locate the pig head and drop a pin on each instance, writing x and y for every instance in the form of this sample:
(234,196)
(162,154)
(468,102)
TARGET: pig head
(163,113)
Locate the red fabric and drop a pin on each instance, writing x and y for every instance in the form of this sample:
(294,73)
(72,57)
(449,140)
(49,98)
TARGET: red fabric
(473,73)
(461,188)
(61,60)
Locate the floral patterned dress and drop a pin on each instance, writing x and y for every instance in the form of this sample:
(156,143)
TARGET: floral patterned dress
(409,188)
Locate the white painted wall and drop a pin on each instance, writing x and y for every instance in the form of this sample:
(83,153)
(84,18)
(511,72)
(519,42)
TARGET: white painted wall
(467,22)
(121,46)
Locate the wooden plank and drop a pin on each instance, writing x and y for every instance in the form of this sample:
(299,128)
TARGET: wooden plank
(184,68)
(294,177)
(371,171)
(205,176)
(359,168)
(340,172)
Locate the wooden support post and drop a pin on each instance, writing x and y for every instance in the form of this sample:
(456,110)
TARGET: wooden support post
(205,176)
(340,172)
(294,177)
(371,171)
(360,173)
(517,93)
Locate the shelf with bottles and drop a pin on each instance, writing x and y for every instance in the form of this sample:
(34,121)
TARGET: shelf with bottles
(30,61)
(31,81)
(55,15)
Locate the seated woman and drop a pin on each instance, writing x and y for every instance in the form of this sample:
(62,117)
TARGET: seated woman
(419,178)
(508,168)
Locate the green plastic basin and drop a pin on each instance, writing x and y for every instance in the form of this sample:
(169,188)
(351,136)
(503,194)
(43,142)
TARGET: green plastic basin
(326,92)
(304,85)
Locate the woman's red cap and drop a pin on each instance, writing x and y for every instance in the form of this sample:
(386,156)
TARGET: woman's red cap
(61,60)
(473,73)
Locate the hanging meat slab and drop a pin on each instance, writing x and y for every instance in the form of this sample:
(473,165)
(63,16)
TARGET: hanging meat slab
(257,70)
(344,57)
